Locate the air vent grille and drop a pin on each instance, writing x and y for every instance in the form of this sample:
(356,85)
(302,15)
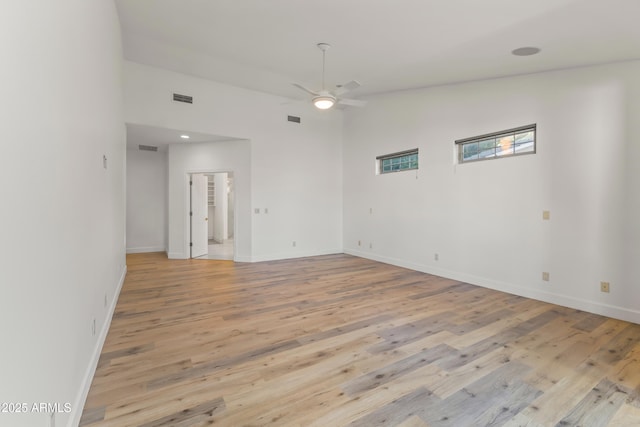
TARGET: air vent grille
(147,148)
(183,98)
(293,119)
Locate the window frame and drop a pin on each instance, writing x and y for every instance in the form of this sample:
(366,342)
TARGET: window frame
(461,143)
(397,155)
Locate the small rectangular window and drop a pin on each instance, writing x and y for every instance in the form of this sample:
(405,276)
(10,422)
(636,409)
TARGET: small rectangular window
(396,162)
(505,143)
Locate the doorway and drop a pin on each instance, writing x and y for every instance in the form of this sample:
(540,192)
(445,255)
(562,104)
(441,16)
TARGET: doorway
(212,216)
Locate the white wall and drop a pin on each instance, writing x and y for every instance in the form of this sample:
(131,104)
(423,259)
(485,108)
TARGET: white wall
(146,201)
(208,157)
(295,169)
(484,219)
(62,113)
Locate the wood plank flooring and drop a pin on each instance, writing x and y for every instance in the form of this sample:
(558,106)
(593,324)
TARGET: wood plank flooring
(343,341)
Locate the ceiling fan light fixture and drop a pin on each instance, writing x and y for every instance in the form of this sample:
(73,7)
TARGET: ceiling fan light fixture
(324,99)
(324,102)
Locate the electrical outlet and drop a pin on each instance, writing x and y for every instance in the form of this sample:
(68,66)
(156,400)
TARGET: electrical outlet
(604,287)
(436,257)
(546,215)
(545,276)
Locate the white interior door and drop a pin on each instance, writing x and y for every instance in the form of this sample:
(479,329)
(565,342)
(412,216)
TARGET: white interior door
(199,212)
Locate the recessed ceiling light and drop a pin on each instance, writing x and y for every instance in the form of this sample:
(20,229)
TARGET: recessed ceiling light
(184,136)
(525,51)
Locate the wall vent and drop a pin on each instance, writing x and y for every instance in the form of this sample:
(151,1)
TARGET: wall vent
(183,98)
(293,119)
(147,148)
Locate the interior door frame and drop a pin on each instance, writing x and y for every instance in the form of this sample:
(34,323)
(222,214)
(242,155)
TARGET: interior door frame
(187,208)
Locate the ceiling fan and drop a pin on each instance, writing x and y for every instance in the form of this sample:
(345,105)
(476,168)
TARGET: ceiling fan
(324,99)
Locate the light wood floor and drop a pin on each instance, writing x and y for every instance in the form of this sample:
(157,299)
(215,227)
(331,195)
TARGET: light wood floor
(338,340)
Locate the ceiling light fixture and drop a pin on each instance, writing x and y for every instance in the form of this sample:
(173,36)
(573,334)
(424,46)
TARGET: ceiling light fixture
(324,102)
(324,99)
(526,51)
(184,136)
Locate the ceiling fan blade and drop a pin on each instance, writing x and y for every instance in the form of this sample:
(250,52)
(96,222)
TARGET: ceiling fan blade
(309,91)
(352,102)
(353,84)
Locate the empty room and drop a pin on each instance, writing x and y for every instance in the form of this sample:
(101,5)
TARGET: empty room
(285,213)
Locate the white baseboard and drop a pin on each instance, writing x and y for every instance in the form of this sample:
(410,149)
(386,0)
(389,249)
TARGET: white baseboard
(291,255)
(271,257)
(78,406)
(146,249)
(595,307)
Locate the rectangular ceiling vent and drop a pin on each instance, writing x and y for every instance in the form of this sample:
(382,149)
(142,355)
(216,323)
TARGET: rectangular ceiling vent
(147,148)
(293,119)
(183,98)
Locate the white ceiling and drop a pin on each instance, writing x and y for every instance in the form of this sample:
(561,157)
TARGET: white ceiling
(387,45)
(162,137)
